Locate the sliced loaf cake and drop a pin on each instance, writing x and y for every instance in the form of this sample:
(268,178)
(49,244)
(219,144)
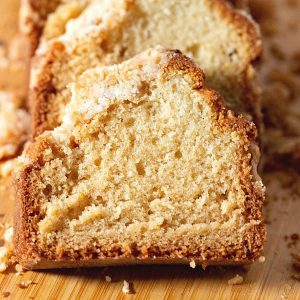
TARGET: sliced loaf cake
(221,40)
(148,166)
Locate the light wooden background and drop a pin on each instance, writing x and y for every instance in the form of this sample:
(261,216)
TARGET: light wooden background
(270,280)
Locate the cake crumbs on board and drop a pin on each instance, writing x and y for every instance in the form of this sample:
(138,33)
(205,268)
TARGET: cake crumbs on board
(192,264)
(8,235)
(126,287)
(5,294)
(237,279)
(25,284)
(19,269)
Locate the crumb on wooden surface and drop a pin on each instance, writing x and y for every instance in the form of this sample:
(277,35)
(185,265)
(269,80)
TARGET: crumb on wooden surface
(25,284)
(126,287)
(4,259)
(19,269)
(3,267)
(237,279)
(6,251)
(5,294)
(6,168)
(8,235)
(108,278)
(192,264)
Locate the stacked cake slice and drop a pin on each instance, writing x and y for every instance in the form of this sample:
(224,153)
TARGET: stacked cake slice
(135,158)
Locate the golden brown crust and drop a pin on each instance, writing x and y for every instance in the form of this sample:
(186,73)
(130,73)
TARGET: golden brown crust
(27,216)
(40,95)
(34,14)
(44,89)
(247,26)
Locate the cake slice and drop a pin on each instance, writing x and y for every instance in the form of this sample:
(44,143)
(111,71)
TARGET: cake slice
(35,14)
(224,42)
(148,166)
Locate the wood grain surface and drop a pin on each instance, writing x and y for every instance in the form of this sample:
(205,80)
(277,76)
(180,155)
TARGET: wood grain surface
(268,280)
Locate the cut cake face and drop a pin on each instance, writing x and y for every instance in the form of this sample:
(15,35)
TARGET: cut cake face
(148,166)
(223,41)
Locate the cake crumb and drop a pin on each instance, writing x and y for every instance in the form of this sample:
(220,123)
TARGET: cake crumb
(6,251)
(19,269)
(4,259)
(3,267)
(192,264)
(8,235)
(25,284)
(5,294)
(126,287)
(237,279)
(108,278)
(262,259)
(6,168)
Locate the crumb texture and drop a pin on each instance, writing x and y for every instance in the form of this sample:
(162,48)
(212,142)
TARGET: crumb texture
(145,160)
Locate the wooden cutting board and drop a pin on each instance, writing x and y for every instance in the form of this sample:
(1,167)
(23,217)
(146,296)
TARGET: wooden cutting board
(269,280)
